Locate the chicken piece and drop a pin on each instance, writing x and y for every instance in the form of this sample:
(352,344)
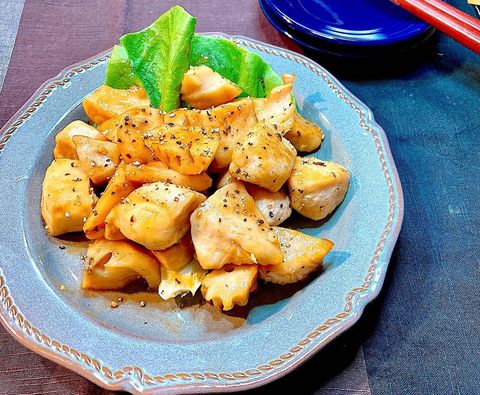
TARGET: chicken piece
(178,255)
(305,136)
(182,281)
(275,206)
(178,117)
(229,228)
(303,254)
(277,110)
(109,128)
(115,264)
(98,158)
(134,131)
(111,232)
(235,120)
(232,120)
(106,102)
(117,188)
(317,187)
(230,286)
(186,150)
(224,179)
(263,158)
(203,88)
(159,171)
(64,145)
(66,197)
(155,215)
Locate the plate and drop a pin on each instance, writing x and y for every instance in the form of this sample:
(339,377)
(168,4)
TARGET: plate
(359,23)
(196,349)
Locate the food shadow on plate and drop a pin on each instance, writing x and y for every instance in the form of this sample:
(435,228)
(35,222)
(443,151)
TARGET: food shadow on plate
(276,297)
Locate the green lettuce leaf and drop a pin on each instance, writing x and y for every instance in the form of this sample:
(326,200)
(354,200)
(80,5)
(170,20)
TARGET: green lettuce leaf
(248,70)
(160,56)
(120,73)
(271,79)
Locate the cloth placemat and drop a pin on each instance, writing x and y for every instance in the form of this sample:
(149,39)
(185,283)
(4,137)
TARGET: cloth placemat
(421,335)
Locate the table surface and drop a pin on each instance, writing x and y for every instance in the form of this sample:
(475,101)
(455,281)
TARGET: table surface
(421,335)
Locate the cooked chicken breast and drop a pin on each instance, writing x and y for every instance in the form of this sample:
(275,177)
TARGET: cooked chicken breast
(229,228)
(275,206)
(117,188)
(302,255)
(159,171)
(230,286)
(133,132)
(188,150)
(305,136)
(64,145)
(277,110)
(115,264)
(178,117)
(317,187)
(182,281)
(109,128)
(231,120)
(155,215)
(263,158)
(66,197)
(235,120)
(203,88)
(224,178)
(98,158)
(178,255)
(106,102)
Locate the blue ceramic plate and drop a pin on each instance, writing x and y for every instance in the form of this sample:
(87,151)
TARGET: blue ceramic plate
(195,349)
(358,23)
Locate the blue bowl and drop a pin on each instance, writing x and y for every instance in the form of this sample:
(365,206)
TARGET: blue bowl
(356,29)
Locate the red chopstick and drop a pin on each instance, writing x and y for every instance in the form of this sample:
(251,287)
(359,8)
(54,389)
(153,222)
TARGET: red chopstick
(453,22)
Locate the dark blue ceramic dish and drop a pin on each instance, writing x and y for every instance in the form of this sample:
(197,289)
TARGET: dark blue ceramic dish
(197,348)
(355,28)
